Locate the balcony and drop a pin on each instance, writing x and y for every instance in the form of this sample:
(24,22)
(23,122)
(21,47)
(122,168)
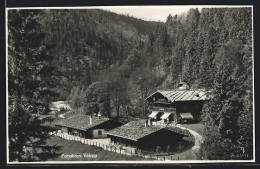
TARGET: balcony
(163,109)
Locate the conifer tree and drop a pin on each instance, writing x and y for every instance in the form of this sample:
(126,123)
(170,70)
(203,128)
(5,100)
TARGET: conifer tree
(227,111)
(29,87)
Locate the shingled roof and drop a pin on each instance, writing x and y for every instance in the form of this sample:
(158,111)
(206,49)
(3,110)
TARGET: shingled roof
(181,95)
(80,122)
(136,130)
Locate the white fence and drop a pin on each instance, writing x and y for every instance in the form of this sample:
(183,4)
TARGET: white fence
(96,142)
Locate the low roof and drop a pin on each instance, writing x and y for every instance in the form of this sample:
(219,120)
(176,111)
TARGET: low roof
(165,115)
(181,95)
(186,115)
(153,114)
(80,122)
(46,116)
(136,130)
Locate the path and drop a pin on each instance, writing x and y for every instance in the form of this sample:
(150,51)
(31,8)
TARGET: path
(198,139)
(190,154)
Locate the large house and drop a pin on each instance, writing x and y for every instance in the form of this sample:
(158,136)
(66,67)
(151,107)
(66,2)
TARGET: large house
(177,105)
(86,126)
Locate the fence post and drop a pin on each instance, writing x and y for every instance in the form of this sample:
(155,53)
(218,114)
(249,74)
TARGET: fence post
(115,149)
(120,150)
(164,157)
(111,148)
(171,158)
(178,158)
(150,155)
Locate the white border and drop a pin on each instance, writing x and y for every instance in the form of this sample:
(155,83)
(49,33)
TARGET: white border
(132,162)
(6,90)
(140,6)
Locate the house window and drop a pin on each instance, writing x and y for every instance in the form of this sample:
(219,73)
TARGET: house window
(99,132)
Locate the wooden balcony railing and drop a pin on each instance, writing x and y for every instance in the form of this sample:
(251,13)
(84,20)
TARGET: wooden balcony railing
(162,109)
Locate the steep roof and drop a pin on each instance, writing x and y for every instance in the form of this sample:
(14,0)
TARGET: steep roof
(80,122)
(135,130)
(181,95)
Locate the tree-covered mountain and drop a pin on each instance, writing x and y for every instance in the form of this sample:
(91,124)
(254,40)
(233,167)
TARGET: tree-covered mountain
(88,40)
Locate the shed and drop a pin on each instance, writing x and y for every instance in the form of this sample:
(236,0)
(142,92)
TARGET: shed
(86,126)
(140,135)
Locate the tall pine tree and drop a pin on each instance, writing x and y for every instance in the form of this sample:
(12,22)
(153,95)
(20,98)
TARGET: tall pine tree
(29,87)
(227,112)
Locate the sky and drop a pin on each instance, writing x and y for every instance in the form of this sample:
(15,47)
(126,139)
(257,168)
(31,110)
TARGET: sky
(153,13)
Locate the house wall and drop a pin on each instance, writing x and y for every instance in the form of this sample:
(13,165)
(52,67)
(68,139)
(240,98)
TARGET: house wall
(64,129)
(93,132)
(193,107)
(98,133)
(160,138)
(122,141)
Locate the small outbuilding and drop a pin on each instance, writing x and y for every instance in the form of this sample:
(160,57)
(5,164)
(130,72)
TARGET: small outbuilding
(141,135)
(86,126)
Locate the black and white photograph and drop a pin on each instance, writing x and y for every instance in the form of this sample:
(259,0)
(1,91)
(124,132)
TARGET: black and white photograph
(150,84)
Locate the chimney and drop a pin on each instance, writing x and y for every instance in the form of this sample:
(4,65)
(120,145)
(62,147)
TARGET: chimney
(90,119)
(183,86)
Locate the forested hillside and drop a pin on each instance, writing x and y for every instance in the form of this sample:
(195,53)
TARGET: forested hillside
(102,61)
(87,41)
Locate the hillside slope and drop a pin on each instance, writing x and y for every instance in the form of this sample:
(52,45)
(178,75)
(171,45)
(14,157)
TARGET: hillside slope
(88,40)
